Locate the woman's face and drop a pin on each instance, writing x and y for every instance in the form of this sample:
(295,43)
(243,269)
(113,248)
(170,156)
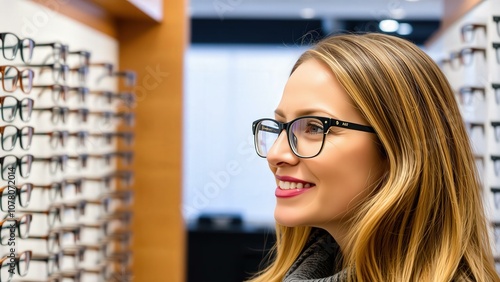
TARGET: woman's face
(343,173)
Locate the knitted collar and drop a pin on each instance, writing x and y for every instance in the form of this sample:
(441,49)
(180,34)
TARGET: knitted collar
(320,261)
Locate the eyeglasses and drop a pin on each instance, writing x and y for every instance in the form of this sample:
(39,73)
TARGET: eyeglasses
(59,50)
(124,176)
(53,261)
(126,157)
(9,105)
(465,56)
(82,72)
(106,67)
(467,94)
(60,92)
(496,19)
(127,98)
(10,163)
(111,271)
(128,75)
(11,43)
(306,135)
(21,262)
(496,46)
(111,199)
(56,189)
(53,214)
(105,116)
(54,238)
(126,136)
(9,194)
(468,31)
(496,197)
(496,130)
(496,165)
(10,134)
(60,137)
(9,226)
(59,162)
(77,252)
(59,71)
(61,113)
(12,76)
(83,55)
(496,89)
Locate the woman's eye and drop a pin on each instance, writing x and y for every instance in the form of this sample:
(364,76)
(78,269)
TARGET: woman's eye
(314,129)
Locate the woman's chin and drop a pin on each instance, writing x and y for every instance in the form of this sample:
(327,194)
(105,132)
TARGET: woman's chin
(288,220)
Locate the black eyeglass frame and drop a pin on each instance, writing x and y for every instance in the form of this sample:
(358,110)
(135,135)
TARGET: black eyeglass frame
(327,122)
(26,58)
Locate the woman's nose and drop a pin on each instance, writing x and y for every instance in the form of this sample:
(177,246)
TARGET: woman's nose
(280,153)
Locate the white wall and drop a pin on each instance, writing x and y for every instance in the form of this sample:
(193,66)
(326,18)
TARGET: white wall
(226,89)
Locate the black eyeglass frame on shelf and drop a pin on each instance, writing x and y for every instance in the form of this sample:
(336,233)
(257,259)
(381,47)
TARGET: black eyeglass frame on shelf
(21,44)
(26,103)
(23,134)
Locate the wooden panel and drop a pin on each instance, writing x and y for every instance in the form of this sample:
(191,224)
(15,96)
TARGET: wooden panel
(86,12)
(155,51)
(455,9)
(133,9)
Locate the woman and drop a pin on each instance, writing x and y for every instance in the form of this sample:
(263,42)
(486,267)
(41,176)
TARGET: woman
(375,175)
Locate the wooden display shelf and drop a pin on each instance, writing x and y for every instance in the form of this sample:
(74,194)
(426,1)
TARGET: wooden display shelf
(144,10)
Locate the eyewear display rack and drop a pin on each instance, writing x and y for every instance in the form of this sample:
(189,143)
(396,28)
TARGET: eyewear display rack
(149,37)
(469,55)
(66,206)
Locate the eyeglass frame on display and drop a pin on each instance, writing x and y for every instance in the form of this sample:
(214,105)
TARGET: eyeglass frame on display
(19,105)
(59,71)
(23,188)
(63,53)
(18,135)
(24,174)
(62,91)
(17,258)
(25,219)
(471,28)
(19,76)
(16,47)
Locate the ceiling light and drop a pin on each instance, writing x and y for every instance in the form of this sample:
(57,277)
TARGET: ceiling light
(405,29)
(307,13)
(388,25)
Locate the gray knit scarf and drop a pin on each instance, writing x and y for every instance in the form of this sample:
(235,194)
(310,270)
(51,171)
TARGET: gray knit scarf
(320,261)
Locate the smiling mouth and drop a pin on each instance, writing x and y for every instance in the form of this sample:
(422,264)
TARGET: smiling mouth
(287,185)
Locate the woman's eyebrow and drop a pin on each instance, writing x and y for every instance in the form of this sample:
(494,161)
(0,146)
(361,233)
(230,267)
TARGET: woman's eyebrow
(306,112)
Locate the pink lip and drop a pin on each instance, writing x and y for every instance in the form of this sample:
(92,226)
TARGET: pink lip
(291,179)
(282,193)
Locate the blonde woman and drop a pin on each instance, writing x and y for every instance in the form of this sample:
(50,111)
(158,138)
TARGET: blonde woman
(375,176)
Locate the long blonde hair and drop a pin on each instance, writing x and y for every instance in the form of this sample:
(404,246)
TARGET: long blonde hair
(426,220)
